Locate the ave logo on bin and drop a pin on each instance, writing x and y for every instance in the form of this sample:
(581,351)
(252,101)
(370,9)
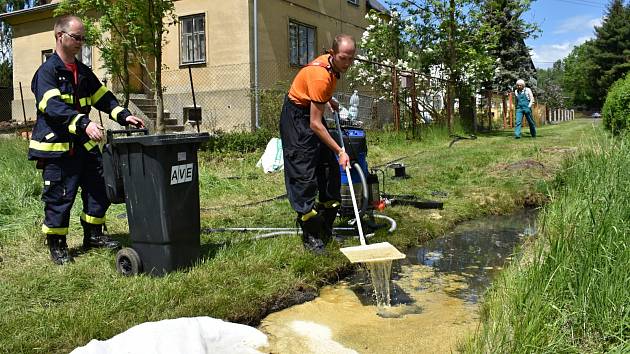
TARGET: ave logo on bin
(181,174)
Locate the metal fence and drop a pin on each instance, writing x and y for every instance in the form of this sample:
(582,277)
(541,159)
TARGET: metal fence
(406,100)
(6,98)
(228,101)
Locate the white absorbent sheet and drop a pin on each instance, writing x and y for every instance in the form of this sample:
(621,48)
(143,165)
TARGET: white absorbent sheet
(187,335)
(272,160)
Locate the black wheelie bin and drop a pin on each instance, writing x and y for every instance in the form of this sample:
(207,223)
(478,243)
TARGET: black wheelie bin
(160,184)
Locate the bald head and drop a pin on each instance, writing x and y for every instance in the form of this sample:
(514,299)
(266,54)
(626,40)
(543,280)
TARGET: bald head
(342,40)
(69,37)
(62,24)
(343,51)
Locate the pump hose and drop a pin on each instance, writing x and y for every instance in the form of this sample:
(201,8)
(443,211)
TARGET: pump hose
(365,202)
(277,232)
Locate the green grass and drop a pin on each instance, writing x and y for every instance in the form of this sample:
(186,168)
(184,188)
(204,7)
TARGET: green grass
(47,309)
(570,292)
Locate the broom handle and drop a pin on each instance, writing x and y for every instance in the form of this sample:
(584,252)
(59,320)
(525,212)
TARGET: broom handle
(354,205)
(354,200)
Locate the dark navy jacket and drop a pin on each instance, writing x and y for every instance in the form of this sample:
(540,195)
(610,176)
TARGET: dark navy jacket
(63,108)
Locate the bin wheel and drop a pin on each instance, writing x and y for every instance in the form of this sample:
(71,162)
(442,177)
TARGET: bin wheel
(128,262)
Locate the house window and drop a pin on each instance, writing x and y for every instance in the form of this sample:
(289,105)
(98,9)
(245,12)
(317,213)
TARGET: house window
(301,43)
(85,56)
(193,39)
(46,54)
(354,2)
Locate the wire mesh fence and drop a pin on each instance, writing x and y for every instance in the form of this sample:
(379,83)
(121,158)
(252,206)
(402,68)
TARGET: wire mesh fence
(6,98)
(227,97)
(387,99)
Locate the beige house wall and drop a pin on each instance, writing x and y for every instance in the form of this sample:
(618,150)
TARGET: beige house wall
(223,84)
(328,17)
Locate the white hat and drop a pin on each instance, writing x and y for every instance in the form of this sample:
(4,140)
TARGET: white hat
(520,82)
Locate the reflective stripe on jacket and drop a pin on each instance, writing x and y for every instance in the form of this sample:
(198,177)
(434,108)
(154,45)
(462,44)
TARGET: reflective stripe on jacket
(63,108)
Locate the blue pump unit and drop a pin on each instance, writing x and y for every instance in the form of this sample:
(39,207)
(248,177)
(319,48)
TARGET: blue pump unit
(365,185)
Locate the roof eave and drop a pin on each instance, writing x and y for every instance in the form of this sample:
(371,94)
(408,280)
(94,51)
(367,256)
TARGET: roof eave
(14,16)
(374,4)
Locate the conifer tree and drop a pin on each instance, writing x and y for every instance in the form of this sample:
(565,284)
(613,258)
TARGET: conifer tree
(513,60)
(611,49)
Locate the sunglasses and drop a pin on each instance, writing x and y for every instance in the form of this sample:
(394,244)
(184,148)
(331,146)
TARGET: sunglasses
(76,37)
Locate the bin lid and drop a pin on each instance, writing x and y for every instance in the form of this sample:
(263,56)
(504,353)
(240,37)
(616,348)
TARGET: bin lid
(162,139)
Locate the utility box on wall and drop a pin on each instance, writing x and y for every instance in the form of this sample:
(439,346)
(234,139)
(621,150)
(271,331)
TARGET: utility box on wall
(192,114)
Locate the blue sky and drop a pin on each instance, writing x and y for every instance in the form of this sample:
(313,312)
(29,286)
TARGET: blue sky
(564,24)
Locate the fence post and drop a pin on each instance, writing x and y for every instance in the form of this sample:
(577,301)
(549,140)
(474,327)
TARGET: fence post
(504,103)
(474,112)
(489,108)
(22,100)
(395,106)
(414,102)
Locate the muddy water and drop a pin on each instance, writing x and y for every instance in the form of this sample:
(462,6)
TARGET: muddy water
(434,296)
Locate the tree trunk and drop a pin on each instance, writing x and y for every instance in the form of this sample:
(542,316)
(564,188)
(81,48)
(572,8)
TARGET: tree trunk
(466,108)
(158,91)
(451,74)
(395,105)
(126,84)
(157,26)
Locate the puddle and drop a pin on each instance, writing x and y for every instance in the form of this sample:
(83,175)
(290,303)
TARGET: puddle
(434,295)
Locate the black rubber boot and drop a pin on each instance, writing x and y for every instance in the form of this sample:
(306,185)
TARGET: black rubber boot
(93,237)
(58,249)
(328,215)
(312,230)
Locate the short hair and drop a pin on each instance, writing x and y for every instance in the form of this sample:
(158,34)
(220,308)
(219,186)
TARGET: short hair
(341,38)
(520,82)
(62,23)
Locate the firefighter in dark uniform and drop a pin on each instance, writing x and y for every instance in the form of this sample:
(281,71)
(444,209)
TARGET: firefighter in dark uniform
(65,141)
(311,155)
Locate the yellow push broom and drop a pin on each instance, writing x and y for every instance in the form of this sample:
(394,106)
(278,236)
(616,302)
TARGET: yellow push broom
(378,252)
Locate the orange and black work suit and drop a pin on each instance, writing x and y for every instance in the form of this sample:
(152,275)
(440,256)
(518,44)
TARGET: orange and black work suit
(309,165)
(69,159)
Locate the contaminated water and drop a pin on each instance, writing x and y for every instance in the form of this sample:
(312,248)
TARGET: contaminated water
(434,296)
(380,274)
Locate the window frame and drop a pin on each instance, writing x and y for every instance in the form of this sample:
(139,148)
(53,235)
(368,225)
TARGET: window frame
(46,53)
(80,55)
(312,50)
(203,47)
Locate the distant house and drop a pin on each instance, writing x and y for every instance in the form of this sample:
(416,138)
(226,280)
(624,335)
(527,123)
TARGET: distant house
(216,39)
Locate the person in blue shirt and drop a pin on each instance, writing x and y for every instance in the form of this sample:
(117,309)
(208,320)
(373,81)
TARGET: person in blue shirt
(524,100)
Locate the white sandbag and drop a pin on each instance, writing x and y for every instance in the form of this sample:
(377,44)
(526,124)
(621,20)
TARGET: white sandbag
(187,335)
(272,160)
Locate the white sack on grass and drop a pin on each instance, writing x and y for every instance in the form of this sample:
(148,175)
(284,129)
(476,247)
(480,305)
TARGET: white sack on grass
(193,335)
(271,160)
